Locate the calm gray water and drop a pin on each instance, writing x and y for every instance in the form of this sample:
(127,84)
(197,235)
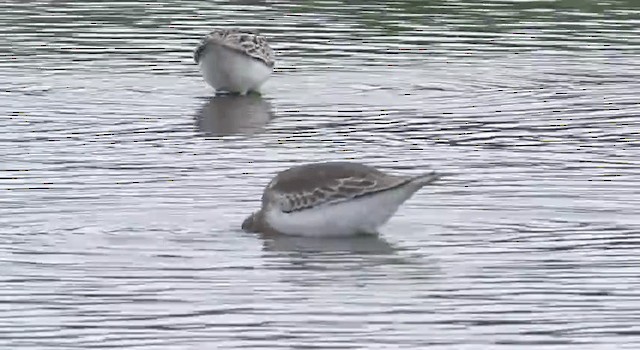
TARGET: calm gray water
(123,182)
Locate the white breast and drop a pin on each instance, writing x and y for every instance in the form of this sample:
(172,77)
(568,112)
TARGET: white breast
(228,70)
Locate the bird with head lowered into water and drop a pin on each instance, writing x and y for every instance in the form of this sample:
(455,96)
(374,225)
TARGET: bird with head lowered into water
(234,61)
(332,199)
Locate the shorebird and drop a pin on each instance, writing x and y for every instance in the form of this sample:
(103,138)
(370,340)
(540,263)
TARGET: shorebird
(234,61)
(332,199)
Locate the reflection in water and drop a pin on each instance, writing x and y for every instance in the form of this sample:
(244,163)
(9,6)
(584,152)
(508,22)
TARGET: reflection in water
(331,253)
(365,244)
(234,114)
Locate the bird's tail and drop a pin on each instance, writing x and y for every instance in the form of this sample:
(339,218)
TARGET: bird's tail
(426,178)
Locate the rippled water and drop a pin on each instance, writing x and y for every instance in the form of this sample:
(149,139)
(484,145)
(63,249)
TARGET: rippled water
(124,182)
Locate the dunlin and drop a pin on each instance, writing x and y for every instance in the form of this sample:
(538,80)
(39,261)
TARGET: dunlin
(332,199)
(234,61)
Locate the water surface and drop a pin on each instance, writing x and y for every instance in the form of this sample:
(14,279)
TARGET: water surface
(124,182)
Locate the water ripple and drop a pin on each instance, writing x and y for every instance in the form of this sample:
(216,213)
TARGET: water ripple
(124,181)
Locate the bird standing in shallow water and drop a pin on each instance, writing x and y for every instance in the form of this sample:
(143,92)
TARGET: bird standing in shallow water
(234,61)
(332,199)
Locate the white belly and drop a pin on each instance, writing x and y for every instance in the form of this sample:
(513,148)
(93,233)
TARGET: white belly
(361,216)
(227,70)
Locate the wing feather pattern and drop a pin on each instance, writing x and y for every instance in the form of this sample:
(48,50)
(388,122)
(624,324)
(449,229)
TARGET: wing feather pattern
(248,43)
(309,187)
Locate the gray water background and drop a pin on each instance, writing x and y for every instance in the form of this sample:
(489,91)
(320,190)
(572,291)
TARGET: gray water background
(123,182)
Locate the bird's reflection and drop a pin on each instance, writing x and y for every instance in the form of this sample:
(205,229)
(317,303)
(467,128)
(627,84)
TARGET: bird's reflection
(234,114)
(335,254)
(356,245)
